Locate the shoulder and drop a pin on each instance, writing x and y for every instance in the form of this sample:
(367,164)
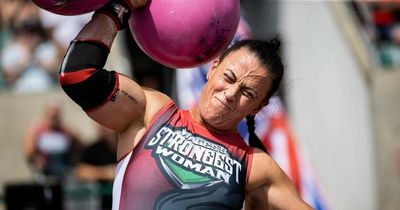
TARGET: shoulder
(263,170)
(269,187)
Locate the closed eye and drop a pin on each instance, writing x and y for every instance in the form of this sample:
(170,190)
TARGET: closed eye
(229,78)
(247,93)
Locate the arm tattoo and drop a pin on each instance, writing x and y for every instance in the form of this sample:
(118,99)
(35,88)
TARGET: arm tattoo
(124,93)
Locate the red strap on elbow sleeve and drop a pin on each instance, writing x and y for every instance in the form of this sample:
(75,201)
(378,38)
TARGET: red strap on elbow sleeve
(68,78)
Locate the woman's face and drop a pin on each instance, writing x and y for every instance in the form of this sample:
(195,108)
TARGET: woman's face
(236,87)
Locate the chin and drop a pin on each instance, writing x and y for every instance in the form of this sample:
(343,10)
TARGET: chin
(214,115)
(217,120)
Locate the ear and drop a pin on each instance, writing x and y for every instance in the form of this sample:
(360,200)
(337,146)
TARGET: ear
(262,105)
(214,66)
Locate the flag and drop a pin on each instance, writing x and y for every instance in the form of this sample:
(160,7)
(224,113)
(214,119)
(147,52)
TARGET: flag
(272,127)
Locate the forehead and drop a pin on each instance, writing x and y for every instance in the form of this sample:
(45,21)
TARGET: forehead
(246,65)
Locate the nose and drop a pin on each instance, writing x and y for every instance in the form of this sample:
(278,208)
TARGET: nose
(231,92)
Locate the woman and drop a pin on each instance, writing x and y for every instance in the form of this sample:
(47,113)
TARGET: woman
(181,159)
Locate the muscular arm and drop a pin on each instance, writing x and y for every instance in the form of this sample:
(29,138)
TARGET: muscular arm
(112,100)
(270,188)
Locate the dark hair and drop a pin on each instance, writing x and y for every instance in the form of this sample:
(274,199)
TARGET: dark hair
(269,55)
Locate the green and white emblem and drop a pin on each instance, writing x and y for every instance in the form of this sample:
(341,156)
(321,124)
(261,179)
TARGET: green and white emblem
(191,161)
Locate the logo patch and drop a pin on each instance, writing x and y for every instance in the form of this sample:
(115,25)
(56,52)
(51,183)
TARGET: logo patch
(192,161)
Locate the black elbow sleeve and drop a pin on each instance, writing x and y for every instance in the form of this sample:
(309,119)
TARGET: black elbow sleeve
(92,92)
(83,78)
(83,55)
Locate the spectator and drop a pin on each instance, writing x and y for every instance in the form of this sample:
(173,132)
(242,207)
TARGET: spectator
(50,147)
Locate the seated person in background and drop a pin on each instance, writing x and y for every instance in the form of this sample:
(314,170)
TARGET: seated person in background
(97,163)
(49,146)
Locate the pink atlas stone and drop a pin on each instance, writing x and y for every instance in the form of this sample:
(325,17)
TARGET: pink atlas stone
(185,33)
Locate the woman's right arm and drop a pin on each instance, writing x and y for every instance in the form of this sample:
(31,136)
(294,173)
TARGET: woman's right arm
(111,99)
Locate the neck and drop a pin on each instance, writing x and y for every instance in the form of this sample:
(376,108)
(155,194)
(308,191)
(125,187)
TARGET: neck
(196,116)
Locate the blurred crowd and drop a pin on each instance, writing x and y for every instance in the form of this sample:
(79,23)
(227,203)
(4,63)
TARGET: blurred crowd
(29,56)
(32,44)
